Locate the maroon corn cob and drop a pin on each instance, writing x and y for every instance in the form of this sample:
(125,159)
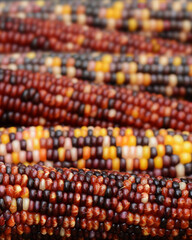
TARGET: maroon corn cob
(19,35)
(41,99)
(69,203)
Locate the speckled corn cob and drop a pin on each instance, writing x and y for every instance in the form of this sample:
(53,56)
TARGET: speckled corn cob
(19,35)
(169,76)
(38,202)
(41,99)
(160,152)
(147,16)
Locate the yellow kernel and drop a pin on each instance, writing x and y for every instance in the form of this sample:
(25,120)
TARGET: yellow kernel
(69,92)
(61,154)
(105,67)
(132,141)
(118,5)
(189,7)
(129,131)
(147,79)
(129,164)
(113,152)
(66,9)
(160,150)
(40,3)
(185,158)
(159,26)
(105,153)
(80,39)
(13,206)
(132,67)
(96,131)
(25,135)
(178,139)
(177,149)
(158,162)
(149,133)
(125,140)
(187,147)
(87,110)
(146,25)
(39,132)
(132,24)
(36,144)
(110,13)
(86,152)
(177,61)
(31,55)
(83,132)
(133,79)
(15,158)
(163,132)
(119,141)
(58,127)
(81,163)
(77,132)
(145,13)
(116,164)
(146,152)
(168,140)
(103,132)
(143,164)
(135,113)
(107,58)
(116,132)
(120,78)
(116,13)
(12,130)
(98,66)
(56,62)
(4,138)
(46,133)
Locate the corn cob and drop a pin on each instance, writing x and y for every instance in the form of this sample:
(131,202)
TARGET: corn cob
(25,34)
(71,203)
(40,99)
(169,76)
(155,17)
(160,152)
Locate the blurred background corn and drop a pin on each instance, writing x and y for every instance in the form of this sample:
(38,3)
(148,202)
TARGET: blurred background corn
(20,35)
(170,19)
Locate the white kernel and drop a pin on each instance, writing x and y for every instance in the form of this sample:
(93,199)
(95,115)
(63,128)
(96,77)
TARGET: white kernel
(182,185)
(25,204)
(42,184)
(180,170)
(62,232)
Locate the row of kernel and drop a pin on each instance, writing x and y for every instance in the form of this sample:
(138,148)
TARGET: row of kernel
(114,15)
(164,153)
(54,35)
(41,99)
(93,200)
(168,80)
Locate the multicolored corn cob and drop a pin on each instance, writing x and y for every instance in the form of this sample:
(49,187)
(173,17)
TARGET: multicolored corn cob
(38,202)
(19,35)
(32,99)
(172,17)
(160,152)
(170,76)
